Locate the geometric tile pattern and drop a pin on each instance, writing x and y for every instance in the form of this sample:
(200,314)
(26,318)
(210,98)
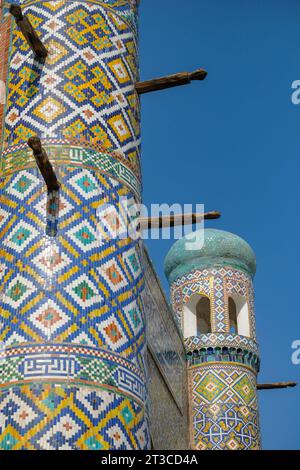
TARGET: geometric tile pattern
(223,407)
(5,33)
(228,340)
(78,287)
(71,310)
(51,417)
(74,287)
(224,354)
(72,364)
(85,89)
(222,366)
(218,284)
(72,323)
(62,151)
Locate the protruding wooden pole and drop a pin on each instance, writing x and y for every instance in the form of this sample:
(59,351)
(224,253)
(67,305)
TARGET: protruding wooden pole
(44,164)
(273,386)
(175,220)
(170,81)
(28,32)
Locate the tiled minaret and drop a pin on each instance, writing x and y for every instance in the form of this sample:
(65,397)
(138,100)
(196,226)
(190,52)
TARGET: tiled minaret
(213,300)
(72,325)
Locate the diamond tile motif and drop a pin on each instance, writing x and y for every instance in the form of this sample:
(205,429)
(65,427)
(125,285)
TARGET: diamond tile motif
(87,185)
(49,110)
(72,371)
(19,289)
(21,236)
(49,318)
(75,93)
(8,442)
(85,236)
(114,276)
(52,261)
(245,389)
(83,291)
(93,444)
(134,314)
(23,185)
(210,387)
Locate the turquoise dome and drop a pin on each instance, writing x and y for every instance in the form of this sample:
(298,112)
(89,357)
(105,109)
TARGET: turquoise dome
(220,249)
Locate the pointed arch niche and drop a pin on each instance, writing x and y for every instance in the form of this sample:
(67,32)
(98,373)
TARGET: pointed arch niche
(238,310)
(197,316)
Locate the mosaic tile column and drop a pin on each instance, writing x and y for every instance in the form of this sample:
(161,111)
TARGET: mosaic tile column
(72,325)
(222,365)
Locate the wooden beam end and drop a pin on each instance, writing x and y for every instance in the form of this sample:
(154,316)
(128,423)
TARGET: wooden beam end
(16,12)
(212,215)
(276,385)
(44,164)
(35,143)
(292,384)
(29,33)
(199,74)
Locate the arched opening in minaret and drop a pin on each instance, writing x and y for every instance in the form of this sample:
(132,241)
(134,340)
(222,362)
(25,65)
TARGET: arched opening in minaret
(233,327)
(203,316)
(197,317)
(238,315)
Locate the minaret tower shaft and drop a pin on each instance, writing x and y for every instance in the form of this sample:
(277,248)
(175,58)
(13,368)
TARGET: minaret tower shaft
(72,325)
(213,300)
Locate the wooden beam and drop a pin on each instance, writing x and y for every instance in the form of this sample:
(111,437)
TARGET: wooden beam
(170,81)
(273,386)
(147,223)
(44,164)
(28,32)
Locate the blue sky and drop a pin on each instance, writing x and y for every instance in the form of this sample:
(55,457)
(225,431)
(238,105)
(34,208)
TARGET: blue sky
(232,142)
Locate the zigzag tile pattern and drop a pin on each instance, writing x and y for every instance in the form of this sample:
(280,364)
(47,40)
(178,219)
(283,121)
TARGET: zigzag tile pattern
(72,324)
(85,89)
(51,417)
(71,310)
(70,152)
(52,288)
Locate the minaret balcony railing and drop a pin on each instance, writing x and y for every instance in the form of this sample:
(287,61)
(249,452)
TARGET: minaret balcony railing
(223,354)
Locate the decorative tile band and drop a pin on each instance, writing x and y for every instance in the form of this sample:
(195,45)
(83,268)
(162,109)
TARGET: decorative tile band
(228,355)
(223,407)
(228,340)
(20,158)
(71,364)
(69,349)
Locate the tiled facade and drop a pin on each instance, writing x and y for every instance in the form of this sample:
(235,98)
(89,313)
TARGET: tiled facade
(5,31)
(217,283)
(84,90)
(72,323)
(223,407)
(222,364)
(167,378)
